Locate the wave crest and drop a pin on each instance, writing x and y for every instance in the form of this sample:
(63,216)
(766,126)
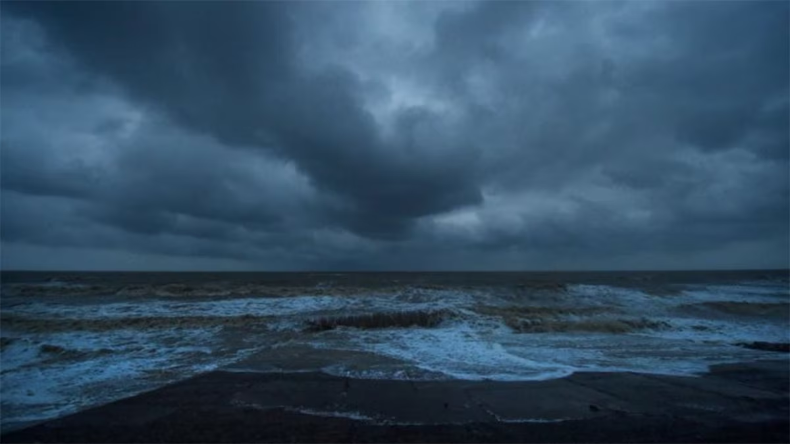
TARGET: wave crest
(584,325)
(763,309)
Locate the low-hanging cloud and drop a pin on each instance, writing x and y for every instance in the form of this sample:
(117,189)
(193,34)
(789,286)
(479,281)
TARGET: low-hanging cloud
(458,135)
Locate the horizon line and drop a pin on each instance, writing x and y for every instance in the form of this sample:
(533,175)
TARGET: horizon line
(689,270)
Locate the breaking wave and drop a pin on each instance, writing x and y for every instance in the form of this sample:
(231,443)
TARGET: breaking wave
(77,343)
(739,308)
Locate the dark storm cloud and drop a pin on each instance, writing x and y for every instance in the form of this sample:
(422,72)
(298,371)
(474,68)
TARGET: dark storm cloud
(738,54)
(406,135)
(227,70)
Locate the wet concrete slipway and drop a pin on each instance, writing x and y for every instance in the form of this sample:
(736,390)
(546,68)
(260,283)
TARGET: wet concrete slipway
(249,402)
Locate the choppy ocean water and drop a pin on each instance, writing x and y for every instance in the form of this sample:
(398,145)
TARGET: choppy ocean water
(75,340)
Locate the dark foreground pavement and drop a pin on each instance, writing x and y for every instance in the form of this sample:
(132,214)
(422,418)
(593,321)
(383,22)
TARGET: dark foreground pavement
(733,403)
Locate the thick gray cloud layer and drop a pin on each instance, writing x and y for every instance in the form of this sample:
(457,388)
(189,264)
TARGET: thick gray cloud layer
(406,135)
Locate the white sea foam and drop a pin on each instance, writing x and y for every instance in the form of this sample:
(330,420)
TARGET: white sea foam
(615,298)
(96,368)
(290,306)
(332,413)
(723,331)
(231,307)
(634,353)
(481,347)
(485,350)
(392,372)
(467,346)
(737,293)
(527,420)
(459,350)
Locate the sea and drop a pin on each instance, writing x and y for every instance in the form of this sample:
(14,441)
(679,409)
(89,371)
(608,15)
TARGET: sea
(71,341)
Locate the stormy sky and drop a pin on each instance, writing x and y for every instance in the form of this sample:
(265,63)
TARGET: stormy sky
(395,135)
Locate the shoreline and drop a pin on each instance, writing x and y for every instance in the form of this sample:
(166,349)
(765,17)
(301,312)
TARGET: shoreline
(744,402)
